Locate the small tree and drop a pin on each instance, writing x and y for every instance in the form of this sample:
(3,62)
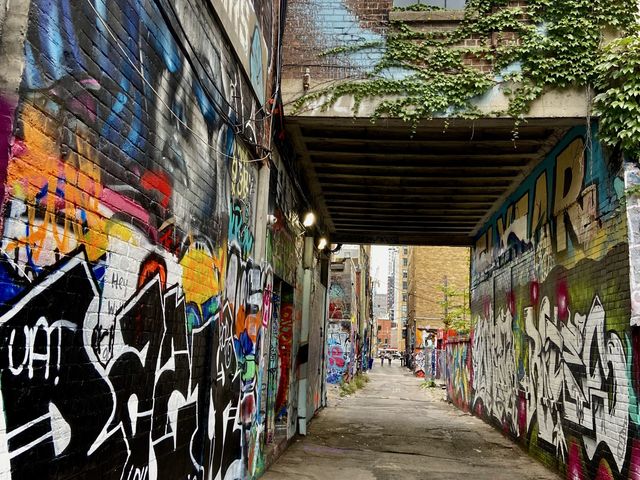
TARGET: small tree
(455,306)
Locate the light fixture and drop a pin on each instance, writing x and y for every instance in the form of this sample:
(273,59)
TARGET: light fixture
(322,243)
(271,220)
(309,219)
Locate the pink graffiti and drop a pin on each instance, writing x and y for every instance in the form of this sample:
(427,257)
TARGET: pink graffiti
(522,412)
(562,295)
(336,356)
(634,462)
(574,463)
(119,203)
(534,292)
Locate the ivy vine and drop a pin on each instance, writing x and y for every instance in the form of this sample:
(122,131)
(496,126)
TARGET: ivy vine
(527,50)
(618,103)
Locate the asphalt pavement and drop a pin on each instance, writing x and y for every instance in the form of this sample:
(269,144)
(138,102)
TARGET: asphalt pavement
(395,430)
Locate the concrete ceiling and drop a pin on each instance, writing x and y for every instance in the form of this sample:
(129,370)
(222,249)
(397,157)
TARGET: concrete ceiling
(381,184)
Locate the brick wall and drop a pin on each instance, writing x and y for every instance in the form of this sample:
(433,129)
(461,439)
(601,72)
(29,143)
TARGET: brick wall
(135,292)
(552,355)
(428,269)
(384,333)
(316,26)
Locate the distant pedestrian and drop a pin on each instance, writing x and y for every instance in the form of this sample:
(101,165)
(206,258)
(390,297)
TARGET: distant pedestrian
(381,360)
(389,358)
(402,360)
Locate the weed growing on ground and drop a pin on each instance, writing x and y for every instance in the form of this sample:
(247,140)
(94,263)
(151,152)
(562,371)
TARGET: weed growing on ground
(428,384)
(358,382)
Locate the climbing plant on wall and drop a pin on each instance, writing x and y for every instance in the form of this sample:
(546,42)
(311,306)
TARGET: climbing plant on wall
(526,48)
(618,103)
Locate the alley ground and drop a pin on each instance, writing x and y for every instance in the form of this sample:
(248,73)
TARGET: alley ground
(393,429)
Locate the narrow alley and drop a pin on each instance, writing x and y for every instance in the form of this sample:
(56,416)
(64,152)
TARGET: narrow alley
(393,429)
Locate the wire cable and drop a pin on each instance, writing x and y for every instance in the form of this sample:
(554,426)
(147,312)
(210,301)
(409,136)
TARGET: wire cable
(159,98)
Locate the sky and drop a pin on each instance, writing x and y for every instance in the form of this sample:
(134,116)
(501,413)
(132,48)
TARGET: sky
(380,267)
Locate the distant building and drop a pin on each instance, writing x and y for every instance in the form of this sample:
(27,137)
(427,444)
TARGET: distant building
(431,271)
(380,306)
(401,293)
(384,334)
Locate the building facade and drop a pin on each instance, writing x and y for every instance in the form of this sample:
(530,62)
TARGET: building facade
(350,322)
(159,318)
(438,279)
(383,334)
(402,296)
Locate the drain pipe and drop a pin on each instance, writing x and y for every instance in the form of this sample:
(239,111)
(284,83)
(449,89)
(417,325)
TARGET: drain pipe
(303,350)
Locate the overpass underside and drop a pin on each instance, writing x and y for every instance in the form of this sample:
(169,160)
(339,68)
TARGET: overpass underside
(384,184)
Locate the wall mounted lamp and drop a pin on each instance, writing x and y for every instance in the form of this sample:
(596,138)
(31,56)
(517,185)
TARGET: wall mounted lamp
(322,243)
(309,219)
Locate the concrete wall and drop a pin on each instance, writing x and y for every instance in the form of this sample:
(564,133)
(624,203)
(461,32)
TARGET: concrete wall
(552,357)
(137,314)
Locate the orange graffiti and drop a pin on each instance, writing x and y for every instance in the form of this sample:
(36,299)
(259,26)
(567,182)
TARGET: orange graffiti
(60,196)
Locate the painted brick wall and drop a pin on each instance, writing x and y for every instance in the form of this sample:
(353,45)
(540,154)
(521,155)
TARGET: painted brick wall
(459,371)
(316,26)
(135,297)
(551,361)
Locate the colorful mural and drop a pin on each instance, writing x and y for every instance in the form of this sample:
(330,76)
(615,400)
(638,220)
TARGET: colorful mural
(458,372)
(340,352)
(551,356)
(135,318)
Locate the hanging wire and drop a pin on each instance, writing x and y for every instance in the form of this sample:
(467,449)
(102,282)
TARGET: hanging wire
(254,117)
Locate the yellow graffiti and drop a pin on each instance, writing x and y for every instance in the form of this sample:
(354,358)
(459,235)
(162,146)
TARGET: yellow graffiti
(240,176)
(200,274)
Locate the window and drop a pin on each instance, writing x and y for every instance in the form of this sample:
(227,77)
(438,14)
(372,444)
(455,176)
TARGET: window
(449,4)
(404,285)
(404,274)
(405,297)
(405,262)
(404,309)
(405,250)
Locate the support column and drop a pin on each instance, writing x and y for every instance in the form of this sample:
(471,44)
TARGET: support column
(303,351)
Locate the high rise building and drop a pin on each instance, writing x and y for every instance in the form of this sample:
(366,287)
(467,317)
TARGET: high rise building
(402,293)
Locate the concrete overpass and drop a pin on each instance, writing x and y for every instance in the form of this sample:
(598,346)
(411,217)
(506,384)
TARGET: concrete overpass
(382,183)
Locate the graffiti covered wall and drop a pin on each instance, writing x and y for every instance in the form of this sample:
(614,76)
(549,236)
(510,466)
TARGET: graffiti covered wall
(551,357)
(459,372)
(342,292)
(340,351)
(136,308)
